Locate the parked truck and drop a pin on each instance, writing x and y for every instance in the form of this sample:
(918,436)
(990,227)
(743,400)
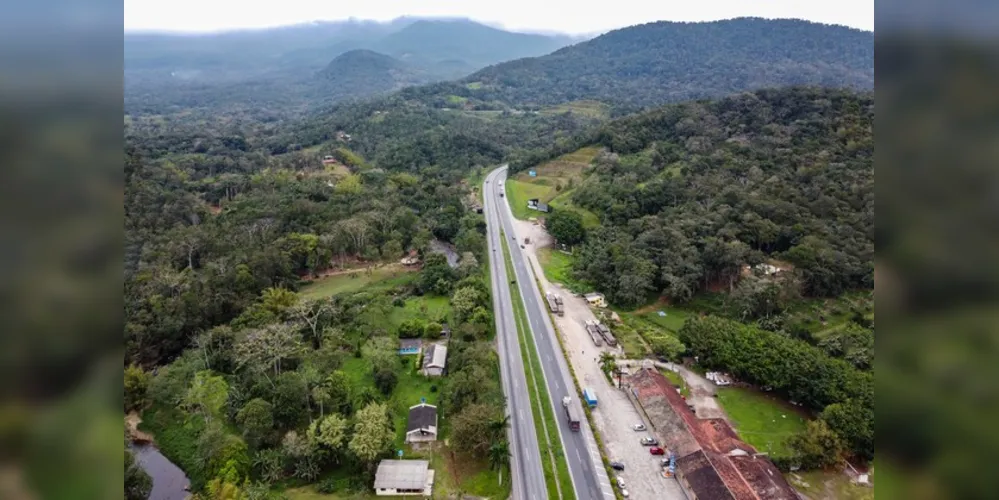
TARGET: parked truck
(570,414)
(606,334)
(555,303)
(591,328)
(590,397)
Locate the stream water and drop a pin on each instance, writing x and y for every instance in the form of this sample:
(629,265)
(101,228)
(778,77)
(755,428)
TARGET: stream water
(169,482)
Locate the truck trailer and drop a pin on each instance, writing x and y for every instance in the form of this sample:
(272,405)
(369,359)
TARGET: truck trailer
(555,303)
(570,414)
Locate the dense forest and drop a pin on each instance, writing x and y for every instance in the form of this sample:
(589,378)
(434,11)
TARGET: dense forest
(690,194)
(668,62)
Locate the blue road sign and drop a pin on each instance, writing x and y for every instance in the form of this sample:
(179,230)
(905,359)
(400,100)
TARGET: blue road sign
(399,453)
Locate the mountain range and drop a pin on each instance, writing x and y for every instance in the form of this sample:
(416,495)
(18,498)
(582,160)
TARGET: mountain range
(302,68)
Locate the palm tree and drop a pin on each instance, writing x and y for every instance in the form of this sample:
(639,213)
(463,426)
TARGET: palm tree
(498,426)
(499,455)
(607,362)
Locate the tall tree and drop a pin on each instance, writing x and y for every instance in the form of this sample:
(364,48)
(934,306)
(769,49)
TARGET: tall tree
(372,433)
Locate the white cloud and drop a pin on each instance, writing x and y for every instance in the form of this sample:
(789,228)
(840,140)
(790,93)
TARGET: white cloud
(570,16)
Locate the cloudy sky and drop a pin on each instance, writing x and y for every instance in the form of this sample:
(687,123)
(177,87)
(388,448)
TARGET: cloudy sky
(567,16)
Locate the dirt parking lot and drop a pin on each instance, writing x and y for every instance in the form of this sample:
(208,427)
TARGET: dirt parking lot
(614,414)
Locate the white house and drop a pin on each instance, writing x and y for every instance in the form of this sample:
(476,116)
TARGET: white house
(435,360)
(596,299)
(404,477)
(422,424)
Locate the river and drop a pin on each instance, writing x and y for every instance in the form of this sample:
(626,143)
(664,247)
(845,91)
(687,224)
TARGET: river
(169,482)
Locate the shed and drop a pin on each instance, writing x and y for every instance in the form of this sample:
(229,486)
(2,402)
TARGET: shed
(596,299)
(404,477)
(421,427)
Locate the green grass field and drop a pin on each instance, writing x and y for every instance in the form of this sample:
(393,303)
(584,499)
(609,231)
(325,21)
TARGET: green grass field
(557,267)
(563,202)
(379,278)
(519,192)
(544,418)
(427,307)
(762,421)
(673,321)
(565,171)
(830,485)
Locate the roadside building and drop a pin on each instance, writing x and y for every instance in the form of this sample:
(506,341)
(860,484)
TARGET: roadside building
(404,477)
(712,462)
(435,360)
(596,299)
(535,204)
(421,427)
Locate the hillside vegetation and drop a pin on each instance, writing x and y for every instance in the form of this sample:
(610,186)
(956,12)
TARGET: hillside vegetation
(691,193)
(667,62)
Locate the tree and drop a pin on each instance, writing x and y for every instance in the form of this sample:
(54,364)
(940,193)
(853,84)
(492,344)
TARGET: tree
(817,446)
(138,484)
(385,379)
(566,226)
(314,313)
(382,352)
(136,388)
(338,386)
(256,418)
(473,430)
(372,433)
(667,346)
(464,301)
(331,432)
(264,349)
(291,399)
(607,362)
(207,395)
(437,276)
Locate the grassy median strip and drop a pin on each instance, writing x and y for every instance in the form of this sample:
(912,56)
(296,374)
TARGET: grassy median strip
(560,482)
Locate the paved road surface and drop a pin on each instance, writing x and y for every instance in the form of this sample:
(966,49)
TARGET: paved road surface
(582,455)
(525,456)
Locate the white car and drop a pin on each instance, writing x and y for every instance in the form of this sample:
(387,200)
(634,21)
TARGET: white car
(638,427)
(620,482)
(624,493)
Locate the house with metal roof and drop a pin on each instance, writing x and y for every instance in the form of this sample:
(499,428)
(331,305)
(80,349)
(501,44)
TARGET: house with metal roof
(422,424)
(435,360)
(404,477)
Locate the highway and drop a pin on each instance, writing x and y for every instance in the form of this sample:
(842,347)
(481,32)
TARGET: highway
(589,477)
(525,455)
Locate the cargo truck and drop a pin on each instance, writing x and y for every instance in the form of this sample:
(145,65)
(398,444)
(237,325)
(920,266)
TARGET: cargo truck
(590,397)
(570,414)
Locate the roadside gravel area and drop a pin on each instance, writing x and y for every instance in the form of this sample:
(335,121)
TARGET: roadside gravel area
(615,413)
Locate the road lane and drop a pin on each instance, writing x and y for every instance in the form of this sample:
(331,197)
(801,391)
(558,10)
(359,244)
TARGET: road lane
(589,478)
(525,456)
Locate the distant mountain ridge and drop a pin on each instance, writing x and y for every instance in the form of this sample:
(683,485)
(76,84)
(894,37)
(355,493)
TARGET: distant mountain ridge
(667,62)
(254,63)
(361,73)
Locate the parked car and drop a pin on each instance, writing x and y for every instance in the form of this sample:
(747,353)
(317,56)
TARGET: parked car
(664,462)
(657,451)
(625,493)
(620,482)
(648,441)
(638,427)
(617,466)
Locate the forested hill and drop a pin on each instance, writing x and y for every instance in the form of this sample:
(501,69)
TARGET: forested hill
(688,194)
(668,62)
(361,73)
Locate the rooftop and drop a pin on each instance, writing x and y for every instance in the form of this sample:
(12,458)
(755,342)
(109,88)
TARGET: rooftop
(402,474)
(436,356)
(710,455)
(421,416)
